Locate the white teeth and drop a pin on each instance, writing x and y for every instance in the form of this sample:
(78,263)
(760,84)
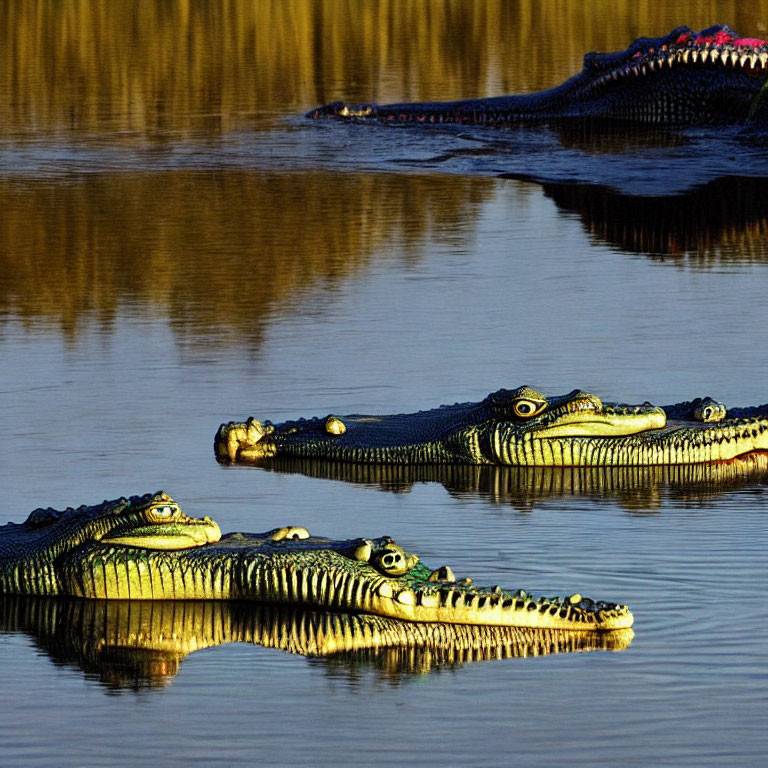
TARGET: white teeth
(715,55)
(705,55)
(671,59)
(406,597)
(753,60)
(384,590)
(743,59)
(652,65)
(734,58)
(695,55)
(763,58)
(686,54)
(429,600)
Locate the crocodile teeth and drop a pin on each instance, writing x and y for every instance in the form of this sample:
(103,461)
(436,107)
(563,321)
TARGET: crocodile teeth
(406,597)
(705,55)
(715,55)
(734,58)
(753,60)
(686,54)
(763,58)
(652,65)
(671,59)
(428,600)
(385,589)
(695,55)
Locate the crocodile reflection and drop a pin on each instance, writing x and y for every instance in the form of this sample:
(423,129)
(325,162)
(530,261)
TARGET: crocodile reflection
(636,489)
(142,644)
(724,220)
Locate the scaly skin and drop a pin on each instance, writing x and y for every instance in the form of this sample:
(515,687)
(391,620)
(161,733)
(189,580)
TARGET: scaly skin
(684,78)
(107,552)
(142,644)
(520,427)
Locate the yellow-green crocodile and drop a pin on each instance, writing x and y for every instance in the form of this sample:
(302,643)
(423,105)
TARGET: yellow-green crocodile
(146,548)
(519,427)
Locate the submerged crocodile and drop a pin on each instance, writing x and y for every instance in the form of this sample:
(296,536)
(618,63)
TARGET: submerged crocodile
(683,78)
(142,644)
(146,548)
(519,427)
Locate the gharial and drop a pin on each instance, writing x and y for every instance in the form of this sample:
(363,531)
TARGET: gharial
(519,427)
(146,548)
(683,78)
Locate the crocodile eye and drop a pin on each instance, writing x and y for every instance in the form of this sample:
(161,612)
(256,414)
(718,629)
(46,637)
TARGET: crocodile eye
(163,512)
(707,413)
(526,408)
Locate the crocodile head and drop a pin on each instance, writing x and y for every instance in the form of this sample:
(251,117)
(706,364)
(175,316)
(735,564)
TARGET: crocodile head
(152,521)
(520,426)
(378,576)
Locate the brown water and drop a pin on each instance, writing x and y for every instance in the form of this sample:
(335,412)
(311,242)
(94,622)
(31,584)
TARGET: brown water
(178,247)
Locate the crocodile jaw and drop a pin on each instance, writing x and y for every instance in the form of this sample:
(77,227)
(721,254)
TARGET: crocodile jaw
(458,607)
(604,424)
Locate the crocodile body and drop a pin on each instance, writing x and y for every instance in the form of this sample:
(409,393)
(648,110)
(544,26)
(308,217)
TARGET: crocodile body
(684,78)
(520,427)
(137,548)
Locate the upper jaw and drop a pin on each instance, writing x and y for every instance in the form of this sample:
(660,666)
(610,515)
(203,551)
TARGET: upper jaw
(584,415)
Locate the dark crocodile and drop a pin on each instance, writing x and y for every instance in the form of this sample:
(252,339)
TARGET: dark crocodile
(142,644)
(684,78)
(146,548)
(519,427)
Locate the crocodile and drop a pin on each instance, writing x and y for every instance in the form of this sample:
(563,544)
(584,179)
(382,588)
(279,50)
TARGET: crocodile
(683,78)
(142,644)
(518,427)
(147,548)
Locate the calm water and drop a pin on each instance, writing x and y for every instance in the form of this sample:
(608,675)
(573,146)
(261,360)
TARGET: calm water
(179,248)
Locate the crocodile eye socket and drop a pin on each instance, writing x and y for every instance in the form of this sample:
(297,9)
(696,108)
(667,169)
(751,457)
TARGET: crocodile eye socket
(163,512)
(525,408)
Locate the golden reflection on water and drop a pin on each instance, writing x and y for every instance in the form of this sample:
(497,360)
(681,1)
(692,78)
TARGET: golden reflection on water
(142,643)
(215,252)
(636,489)
(162,67)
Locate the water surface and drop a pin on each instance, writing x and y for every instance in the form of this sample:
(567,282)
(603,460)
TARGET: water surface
(179,248)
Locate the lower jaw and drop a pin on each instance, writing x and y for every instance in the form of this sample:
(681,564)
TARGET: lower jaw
(616,452)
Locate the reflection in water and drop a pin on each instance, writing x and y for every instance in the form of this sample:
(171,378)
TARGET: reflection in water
(141,644)
(229,249)
(181,67)
(725,220)
(638,489)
